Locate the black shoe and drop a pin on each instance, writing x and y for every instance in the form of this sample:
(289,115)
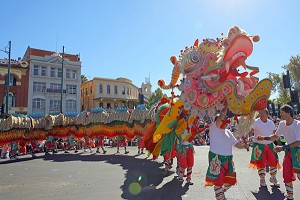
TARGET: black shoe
(66,152)
(76,151)
(104,152)
(126,152)
(189,183)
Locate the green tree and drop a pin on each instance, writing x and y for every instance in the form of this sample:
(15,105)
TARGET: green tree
(294,68)
(277,86)
(277,82)
(83,79)
(155,97)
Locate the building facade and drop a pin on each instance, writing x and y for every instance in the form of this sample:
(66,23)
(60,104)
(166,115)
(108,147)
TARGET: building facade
(18,86)
(53,77)
(109,94)
(145,91)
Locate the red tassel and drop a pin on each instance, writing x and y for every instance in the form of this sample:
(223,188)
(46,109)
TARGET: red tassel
(236,118)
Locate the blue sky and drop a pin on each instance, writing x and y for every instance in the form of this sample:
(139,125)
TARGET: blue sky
(135,38)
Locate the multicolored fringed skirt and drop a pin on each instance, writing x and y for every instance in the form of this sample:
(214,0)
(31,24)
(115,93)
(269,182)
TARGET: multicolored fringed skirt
(220,170)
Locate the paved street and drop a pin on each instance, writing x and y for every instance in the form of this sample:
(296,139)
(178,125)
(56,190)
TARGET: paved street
(119,176)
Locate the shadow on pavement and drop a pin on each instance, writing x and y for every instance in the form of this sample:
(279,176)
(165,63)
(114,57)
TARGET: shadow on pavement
(142,175)
(20,159)
(264,193)
(173,190)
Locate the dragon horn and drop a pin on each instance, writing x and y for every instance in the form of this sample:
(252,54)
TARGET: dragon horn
(175,75)
(196,43)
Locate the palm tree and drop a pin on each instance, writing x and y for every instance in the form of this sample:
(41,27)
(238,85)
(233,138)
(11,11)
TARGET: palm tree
(83,79)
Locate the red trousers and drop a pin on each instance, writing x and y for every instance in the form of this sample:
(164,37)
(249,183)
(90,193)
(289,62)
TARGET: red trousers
(186,161)
(288,172)
(225,176)
(267,157)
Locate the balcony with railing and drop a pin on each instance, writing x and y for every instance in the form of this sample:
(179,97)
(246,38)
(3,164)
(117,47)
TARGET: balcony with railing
(52,90)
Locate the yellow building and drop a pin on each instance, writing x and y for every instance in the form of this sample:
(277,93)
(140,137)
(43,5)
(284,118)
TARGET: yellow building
(111,94)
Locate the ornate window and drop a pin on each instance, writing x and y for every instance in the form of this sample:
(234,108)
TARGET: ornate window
(38,103)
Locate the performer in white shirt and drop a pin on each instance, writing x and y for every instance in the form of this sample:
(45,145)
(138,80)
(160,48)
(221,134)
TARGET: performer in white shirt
(221,173)
(263,151)
(290,129)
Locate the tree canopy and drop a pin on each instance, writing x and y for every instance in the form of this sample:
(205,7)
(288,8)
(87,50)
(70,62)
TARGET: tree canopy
(155,97)
(83,78)
(294,70)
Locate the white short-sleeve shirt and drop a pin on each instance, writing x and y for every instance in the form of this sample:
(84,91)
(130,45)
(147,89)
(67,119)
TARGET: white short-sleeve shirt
(263,129)
(221,140)
(291,133)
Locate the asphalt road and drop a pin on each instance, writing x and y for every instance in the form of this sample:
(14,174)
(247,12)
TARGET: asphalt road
(118,176)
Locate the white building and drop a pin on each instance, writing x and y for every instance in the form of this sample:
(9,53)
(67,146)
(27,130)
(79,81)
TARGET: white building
(46,78)
(146,90)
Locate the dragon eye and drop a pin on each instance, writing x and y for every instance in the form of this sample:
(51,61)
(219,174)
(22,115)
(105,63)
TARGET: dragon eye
(195,58)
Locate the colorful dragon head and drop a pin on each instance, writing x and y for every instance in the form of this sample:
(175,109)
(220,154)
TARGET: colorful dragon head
(211,77)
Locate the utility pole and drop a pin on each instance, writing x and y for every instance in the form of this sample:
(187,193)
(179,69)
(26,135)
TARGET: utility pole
(288,75)
(8,77)
(62,78)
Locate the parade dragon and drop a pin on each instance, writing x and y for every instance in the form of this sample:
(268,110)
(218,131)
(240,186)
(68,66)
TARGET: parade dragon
(214,76)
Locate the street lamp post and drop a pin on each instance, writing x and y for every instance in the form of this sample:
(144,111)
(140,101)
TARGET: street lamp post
(8,77)
(62,78)
(295,109)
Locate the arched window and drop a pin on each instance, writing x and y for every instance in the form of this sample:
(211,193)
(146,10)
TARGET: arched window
(100,89)
(38,103)
(116,89)
(11,99)
(108,89)
(12,81)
